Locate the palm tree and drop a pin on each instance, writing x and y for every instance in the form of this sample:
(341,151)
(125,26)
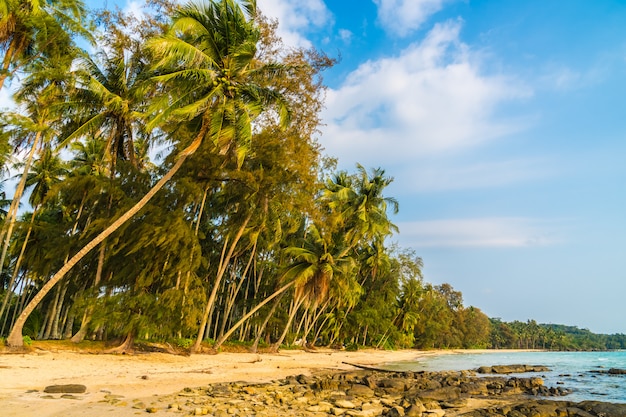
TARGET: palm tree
(109,100)
(358,206)
(215,87)
(39,94)
(316,265)
(30,29)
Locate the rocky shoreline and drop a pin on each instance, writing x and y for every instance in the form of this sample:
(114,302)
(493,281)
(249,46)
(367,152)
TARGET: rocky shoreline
(369,393)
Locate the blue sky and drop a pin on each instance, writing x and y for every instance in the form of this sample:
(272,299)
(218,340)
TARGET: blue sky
(503,125)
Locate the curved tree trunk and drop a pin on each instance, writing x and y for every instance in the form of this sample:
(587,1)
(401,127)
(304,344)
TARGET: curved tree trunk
(230,301)
(6,62)
(226,335)
(260,330)
(292,315)
(15,337)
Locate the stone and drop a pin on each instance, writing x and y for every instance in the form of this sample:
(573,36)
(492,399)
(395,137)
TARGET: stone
(394,384)
(359,390)
(65,389)
(414,410)
(395,411)
(370,409)
(616,371)
(442,394)
(511,369)
(342,403)
(319,408)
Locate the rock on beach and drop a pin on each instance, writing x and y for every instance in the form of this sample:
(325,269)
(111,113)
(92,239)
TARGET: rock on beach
(365,393)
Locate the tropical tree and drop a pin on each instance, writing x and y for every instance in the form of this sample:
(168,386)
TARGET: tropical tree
(36,123)
(215,88)
(317,267)
(31,30)
(358,205)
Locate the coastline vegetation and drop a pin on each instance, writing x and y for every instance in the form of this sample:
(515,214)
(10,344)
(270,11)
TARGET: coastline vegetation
(171,188)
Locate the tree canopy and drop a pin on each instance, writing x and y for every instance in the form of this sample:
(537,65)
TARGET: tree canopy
(171,188)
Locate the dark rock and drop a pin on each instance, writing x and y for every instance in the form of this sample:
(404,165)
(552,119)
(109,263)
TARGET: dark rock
(511,369)
(607,409)
(394,384)
(394,412)
(441,394)
(359,390)
(65,389)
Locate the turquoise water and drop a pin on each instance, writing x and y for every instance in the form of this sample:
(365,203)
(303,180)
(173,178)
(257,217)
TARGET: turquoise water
(572,370)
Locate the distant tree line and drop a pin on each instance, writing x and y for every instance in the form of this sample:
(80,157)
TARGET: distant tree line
(530,335)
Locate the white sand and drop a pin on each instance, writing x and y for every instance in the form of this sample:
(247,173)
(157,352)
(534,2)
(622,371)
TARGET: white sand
(143,377)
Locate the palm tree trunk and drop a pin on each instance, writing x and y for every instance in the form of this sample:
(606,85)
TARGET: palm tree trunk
(226,335)
(230,302)
(261,329)
(6,62)
(7,230)
(315,319)
(292,315)
(52,312)
(15,337)
(220,273)
(55,333)
(18,282)
(18,264)
(84,324)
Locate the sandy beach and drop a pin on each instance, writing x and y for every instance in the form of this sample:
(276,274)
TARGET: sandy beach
(149,377)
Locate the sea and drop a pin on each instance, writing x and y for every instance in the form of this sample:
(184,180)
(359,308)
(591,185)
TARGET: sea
(584,373)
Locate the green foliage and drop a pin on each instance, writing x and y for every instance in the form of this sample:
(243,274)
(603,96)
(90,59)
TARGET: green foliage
(530,335)
(27,340)
(184,343)
(352,347)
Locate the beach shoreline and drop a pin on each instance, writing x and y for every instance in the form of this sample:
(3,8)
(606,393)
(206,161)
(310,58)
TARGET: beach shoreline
(23,377)
(141,377)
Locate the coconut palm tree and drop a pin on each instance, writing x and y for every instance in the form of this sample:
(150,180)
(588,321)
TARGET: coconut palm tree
(31,29)
(359,205)
(108,101)
(35,125)
(316,264)
(214,88)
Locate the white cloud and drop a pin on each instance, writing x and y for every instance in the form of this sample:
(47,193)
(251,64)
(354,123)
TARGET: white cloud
(135,8)
(445,175)
(431,99)
(401,17)
(296,17)
(345,35)
(498,232)
(6,95)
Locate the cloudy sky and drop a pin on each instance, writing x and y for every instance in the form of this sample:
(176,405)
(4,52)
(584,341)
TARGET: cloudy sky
(503,125)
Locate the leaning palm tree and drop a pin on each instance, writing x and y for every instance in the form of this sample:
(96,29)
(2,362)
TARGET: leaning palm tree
(31,29)
(214,87)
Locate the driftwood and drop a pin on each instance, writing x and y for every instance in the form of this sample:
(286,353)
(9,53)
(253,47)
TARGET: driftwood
(369,368)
